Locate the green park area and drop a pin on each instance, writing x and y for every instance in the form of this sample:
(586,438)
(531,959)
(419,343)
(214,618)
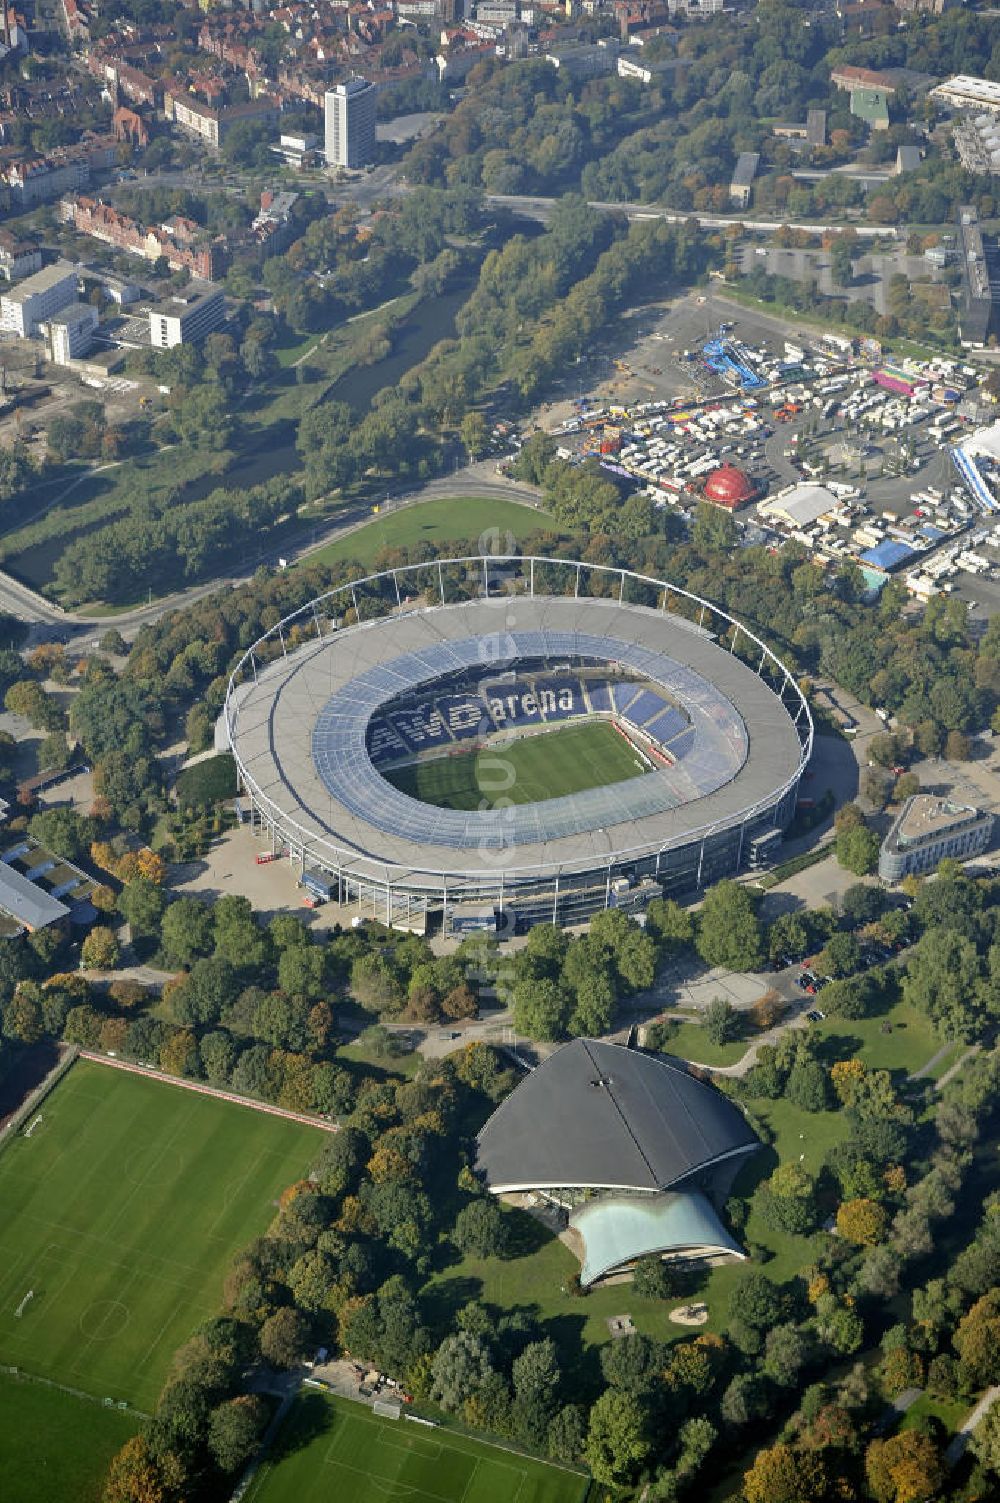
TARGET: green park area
(121,1213)
(54,1446)
(451,518)
(528,771)
(332,1448)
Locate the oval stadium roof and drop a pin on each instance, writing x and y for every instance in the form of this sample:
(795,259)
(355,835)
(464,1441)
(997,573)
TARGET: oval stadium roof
(597,1115)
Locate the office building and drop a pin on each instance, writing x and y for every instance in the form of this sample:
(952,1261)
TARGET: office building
(926,831)
(33,301)
(350,124)
(979,316)
(71,332)
(186,317)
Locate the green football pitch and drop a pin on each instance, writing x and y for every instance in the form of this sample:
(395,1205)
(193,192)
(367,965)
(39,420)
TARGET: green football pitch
(121,1212)
(335,1448)
(54,1446)
(537,767)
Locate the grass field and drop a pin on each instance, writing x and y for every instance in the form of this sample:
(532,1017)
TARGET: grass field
(121,1212)
(455,517)
(55,1448)
(333,1448)
(537,767)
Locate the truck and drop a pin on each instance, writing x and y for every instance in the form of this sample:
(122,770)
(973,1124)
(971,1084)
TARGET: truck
(317,886)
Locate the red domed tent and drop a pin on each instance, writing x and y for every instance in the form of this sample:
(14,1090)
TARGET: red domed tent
(729,487)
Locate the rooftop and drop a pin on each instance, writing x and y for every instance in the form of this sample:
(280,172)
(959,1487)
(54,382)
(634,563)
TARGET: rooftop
(801,504)
(41,281)
(924,815)
(617,1232)
(26,902)
(963,89)
(597,1115)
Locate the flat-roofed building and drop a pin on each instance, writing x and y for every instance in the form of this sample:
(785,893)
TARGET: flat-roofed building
(929,829)
(799,505)
(979,316)
(350,124)
(965,93)
(187,317)
(71,332)
(32,302)
(581,60)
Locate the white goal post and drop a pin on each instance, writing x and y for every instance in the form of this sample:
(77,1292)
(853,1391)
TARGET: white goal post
(386,1409)
(20,1309)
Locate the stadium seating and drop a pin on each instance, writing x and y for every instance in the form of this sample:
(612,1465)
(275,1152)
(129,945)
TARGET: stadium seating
(531,699)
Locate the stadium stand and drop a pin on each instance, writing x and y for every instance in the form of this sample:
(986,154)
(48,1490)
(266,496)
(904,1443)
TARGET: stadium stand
(519,701)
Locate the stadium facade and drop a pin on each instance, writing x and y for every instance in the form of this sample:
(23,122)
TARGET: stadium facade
(633,1153)
(434,659)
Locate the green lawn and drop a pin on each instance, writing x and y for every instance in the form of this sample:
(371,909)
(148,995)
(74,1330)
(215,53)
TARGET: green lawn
(55,1448)
(909,1044)
(949,1412)
(535,1276)
(445,520)
(122,1212)
(333,1448)
(543,766)
(691,1041)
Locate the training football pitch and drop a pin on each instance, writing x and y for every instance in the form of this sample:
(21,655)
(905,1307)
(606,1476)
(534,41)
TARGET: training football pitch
(122,1211)
(542,766)
(334,1448)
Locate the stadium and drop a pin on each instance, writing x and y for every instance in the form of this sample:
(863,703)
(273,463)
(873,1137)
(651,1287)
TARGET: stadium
(632,1152)
(492,743)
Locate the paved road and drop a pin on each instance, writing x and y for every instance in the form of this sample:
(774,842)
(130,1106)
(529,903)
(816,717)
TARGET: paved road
(541,208)
(26,604)
(958,1445)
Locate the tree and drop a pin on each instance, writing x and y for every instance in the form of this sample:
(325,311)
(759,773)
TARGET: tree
(142,905)
(862,1222)
(985,1442)
(729,933)
(785,1355)
(187,931)
(481,1230)
(460,1367)
(723,1023)
(617,1439)
(566,1434)
(977,1342)
(541,1009)
(806,1085)
(284,1338)
(944,980)
(906,1468)
(654,1279)
(840,956)
(714,529)
(133,1476)
(234,1429)
(474,433)
(857,850)
(302,971)
(782,1474)
(100,949)
(536,1373)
